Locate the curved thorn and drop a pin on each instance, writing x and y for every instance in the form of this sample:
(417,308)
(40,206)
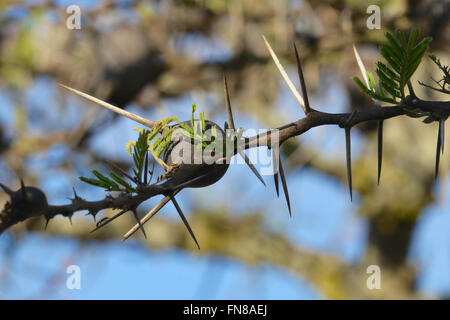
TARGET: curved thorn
(115,109)
(186,223)
(302,80)
(285,188)
(250,165)
(349,160)
(7,190)
(139,222)
(228,104)
(438,152)
(104,222)
(380,147)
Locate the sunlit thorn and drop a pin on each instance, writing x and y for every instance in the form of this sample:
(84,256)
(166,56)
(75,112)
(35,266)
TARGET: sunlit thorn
(349,160)
(302,80)
(361,66)
(186,223)
(284,184)
(380,147)
(285,76)
(108,106)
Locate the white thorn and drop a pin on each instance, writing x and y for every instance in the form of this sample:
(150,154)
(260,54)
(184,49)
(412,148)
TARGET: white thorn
(115,109)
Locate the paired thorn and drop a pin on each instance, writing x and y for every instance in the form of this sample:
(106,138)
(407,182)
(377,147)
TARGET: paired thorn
(186,223)
(380,147)
(132,116)
(231,121)
(285,76)
(302,80)
(349,160)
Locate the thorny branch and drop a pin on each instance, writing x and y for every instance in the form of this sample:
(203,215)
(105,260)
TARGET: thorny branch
(126,201)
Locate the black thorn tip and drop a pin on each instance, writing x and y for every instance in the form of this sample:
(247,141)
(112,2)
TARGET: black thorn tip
(251,166)
(275,164)
(139,222)
(186,223)
(6,189)
(75,194)
(285,188)
(47,220)
(349,161)
(228,103)
(380,148)
(146,168)
(438,153)
(302,80)
(24,191)
(105,221)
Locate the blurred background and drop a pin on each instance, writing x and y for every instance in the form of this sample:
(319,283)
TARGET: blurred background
(156,58)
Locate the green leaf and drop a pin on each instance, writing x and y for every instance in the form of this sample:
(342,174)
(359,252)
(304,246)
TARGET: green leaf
(371,81)
(94,182)
(403,58)
(111,184)
(122,182)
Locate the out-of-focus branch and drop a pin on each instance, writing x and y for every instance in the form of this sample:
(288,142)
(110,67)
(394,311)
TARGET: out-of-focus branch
(245,240)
